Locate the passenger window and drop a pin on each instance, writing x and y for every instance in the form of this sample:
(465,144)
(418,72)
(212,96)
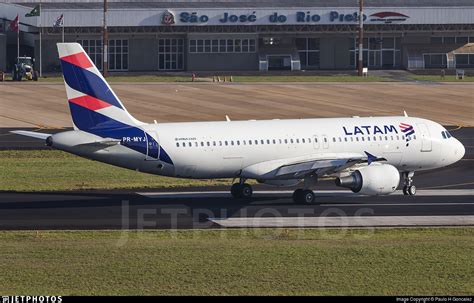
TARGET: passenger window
(202,143)
(214,143)
(302,140)
(286,141)
(268,141)
(386,138)
(291,140)
(220,143)
(262,141)
(403,137)
(357,139)
(190,144)
(375,138)
(177,144)
(340,139)
(238,142)
(256,142)
(333,139)
(226,143)
(444,135)
(352,139)
(345,139)
(362,138)
(250,142)
(208,143)
(297,140)
(274,141)
(309,140)
(391,138)
(325,140)
(232,142)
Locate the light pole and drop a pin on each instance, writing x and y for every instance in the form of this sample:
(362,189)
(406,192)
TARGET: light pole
(361,37)
(105,43)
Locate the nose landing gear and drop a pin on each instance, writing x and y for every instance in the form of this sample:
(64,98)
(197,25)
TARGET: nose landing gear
(408,188)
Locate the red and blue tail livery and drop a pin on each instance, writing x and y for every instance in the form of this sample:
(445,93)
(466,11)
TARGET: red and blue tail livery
(96,109)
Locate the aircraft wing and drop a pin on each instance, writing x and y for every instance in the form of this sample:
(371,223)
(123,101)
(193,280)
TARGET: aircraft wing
(297,168)
(31,134)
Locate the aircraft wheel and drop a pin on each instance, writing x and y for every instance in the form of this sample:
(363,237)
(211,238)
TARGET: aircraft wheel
(405,190)
(308,196)
(297,195)
(235,190)
(411,190)
(246,191)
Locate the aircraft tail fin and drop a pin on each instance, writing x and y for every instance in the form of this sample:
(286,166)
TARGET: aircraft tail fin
(93,104)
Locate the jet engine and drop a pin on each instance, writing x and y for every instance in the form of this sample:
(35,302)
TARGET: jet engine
(375,179)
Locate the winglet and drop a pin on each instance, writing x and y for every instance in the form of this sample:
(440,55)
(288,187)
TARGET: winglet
(370,158)
(405,114)
(227,118)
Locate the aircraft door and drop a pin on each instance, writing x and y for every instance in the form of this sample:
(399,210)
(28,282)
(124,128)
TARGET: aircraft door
(153,147)
(426,145)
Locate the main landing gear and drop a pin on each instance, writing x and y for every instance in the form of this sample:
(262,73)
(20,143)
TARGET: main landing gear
(241,190)
(408,188)
(304,196)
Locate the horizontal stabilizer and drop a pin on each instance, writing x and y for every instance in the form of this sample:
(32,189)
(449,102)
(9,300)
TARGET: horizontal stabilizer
(31,134)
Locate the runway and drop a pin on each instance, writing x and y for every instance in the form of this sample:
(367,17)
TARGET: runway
(445,197)
(131,210)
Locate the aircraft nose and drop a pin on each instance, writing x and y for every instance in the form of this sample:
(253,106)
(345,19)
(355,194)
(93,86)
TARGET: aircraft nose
(459,151)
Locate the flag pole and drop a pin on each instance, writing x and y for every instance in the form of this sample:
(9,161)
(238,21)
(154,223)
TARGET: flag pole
(18,39)
(41,39)
(63,28)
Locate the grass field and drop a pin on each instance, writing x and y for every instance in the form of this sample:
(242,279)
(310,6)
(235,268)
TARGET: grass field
(141,78)
(438,78)
(271,78)
(334,78)
(55,170)
(232,262)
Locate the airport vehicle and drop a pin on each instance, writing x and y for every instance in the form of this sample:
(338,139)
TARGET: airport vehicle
(366,155)
(24,68)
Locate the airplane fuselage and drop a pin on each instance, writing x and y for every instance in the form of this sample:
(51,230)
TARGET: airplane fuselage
(225,149)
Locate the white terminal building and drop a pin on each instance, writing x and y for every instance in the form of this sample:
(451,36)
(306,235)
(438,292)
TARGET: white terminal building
(258,35)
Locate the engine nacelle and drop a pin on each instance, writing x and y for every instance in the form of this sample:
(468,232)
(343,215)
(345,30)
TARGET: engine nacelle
(375,179)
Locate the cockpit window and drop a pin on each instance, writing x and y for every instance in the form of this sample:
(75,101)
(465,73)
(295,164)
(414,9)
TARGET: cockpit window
(446,134)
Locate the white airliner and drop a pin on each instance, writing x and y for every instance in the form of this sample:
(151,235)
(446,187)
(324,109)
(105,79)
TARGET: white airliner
(366,155)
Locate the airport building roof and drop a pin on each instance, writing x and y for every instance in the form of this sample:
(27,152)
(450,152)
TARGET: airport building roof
(64,4)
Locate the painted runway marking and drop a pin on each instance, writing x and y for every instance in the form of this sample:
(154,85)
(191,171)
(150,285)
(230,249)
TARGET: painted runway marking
(286,193)
(366,221)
